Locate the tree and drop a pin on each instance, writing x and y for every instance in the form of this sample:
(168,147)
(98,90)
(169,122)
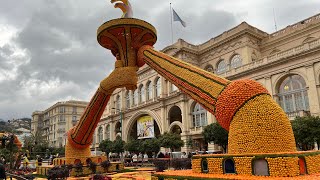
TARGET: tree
(118,145)
(106,146)
(36,143)
(150,145)
(133,145)
(306,132)
(171,140)
(217,134)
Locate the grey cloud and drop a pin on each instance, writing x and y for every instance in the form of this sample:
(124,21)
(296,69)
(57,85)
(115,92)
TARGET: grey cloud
(63,60)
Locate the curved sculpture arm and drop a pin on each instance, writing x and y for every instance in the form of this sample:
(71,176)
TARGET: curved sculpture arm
(243,107)
(81,135)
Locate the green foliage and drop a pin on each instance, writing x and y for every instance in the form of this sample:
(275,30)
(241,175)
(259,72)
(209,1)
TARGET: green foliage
(133,145)
(306,132)
(189,142)
(106,146)
(118,145)
(171,140)
(150,145)
(217,134)
(59,151)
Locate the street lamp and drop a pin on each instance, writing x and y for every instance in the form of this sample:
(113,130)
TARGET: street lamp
(121,114)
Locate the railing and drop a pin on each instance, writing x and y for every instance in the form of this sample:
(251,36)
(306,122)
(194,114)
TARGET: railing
(271,58)
(294,114)
(196,129)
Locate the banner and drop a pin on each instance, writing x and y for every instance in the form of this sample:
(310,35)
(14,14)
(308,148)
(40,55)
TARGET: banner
(145,127)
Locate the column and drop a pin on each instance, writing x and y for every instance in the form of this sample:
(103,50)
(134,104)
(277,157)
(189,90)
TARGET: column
(103,131)
(164,87)
(312,91)
(163,119)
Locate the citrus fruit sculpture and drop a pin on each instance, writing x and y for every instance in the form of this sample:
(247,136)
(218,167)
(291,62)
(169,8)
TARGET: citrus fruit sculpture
(259,130)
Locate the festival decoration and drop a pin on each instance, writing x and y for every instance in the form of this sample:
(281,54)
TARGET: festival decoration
(258,127)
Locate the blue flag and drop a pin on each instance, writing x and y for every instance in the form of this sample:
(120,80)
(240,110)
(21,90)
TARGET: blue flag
(177,18)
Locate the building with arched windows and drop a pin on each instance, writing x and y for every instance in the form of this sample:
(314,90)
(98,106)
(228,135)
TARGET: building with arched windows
(286,62)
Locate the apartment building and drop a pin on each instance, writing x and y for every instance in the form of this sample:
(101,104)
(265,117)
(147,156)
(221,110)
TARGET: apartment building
(56,120)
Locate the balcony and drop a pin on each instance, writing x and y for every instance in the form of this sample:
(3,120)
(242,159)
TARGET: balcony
(196,130)
(301,113)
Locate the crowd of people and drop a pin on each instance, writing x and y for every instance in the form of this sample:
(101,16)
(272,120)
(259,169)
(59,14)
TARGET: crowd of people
(139,159)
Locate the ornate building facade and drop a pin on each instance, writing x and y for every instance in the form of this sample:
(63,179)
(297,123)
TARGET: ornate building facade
(55,121)
(286,62)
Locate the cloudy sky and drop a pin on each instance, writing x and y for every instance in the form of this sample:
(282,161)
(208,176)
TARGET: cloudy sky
(49,52)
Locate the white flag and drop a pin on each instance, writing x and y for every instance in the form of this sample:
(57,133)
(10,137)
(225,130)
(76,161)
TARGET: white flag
(177,18)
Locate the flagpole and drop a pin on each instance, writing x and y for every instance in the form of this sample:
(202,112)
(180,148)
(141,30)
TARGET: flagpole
(171,24)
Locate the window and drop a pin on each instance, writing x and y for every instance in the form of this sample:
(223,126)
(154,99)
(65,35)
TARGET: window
(74,110)
(127,100)
(141,94)
(149,90)
(62,118)
(74,118)
(293,95)
(222,67)
(199,116)
(62,109)
(135,97)
(158,87)
(204,166)
(260,167)
(236,61)
(228,166)
(100,135)
(108,131)
(117,103)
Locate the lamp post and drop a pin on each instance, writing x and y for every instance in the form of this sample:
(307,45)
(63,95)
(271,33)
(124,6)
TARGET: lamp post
(121,114)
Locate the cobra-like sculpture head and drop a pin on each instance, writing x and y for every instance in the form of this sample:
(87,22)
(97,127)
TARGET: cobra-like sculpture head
(125,6)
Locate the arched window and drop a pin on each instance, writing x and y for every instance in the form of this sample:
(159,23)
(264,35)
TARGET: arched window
(204,166)
(100,134)
(293,94)
(260,167)
(127,100)
(209,68)
(141,94)
(117,105)
(149,90)
(228,166)
(199,116)
(158,87)
(108,131)
(135,97)
(221,67)
(236,61)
